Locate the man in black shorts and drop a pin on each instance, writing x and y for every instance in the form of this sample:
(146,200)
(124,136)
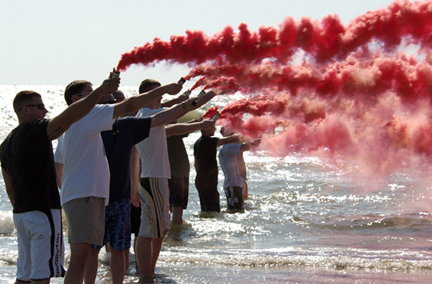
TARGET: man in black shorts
(206,180)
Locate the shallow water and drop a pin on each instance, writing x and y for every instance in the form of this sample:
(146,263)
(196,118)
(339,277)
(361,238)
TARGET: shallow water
(306,221)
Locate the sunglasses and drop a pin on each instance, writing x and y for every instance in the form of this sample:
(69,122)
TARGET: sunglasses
(39,106)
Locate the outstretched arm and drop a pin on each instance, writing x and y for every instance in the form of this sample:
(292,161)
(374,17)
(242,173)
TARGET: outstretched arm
(9,186)
(194,103)
(183,128)
(137,102)
(228,139)
(175,101)
(59,124)
(207,97)
(248,145)
(173,113)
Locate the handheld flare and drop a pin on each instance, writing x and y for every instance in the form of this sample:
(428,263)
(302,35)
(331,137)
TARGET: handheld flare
(216,117)
(200,95)
(181,81)
(115,74)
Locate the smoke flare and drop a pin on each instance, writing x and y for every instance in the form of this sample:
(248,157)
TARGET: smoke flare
(320,87)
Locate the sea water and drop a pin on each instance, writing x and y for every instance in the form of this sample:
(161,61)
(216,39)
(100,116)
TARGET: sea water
(306,221)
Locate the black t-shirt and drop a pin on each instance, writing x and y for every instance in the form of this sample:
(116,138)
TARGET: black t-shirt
(205,160)
(178,158)
(118,143)
(27,156)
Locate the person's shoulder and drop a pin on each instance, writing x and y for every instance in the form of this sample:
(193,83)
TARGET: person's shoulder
(103,107)
(198,140)
(146,111)
(39,127)
(133,122)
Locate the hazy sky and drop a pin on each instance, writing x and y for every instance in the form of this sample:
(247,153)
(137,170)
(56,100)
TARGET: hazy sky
(45,42)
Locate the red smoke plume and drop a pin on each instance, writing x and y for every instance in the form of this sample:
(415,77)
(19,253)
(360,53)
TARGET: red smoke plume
(210,113)
(321,87)
(322,41)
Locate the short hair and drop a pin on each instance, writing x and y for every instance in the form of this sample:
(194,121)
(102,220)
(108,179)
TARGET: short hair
(148,85)
(22,98)
(74,87)
(116,92)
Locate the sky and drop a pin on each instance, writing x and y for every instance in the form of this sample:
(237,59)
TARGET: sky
(53,42)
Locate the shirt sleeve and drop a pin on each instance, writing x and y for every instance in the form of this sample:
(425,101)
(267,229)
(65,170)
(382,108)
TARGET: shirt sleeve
(39,131)
(138,127)
(232,148)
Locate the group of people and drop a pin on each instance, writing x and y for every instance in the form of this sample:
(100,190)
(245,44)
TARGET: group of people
(111,152)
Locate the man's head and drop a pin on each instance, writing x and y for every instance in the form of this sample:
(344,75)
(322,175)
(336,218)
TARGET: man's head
(28,106)
(107,100)
(209,132)
(148,85)
(118,96)
(226,131)
(77,90)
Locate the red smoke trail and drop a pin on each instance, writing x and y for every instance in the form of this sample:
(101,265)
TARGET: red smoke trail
(322,41)
(210,113)
(326,89)
(198,83)
(362,74)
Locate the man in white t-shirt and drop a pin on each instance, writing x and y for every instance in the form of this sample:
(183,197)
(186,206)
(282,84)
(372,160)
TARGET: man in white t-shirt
(155,173)
(84,174)
(234,182)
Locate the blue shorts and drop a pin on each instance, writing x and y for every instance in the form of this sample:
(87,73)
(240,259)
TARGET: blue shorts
(117,225)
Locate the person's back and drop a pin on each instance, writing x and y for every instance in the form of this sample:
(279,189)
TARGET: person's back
(85,170)
(233,182)
(178,157)
(118,143)
(205,149)
(228,163)
(179,182)
(27,155)
(153,151)
(206,179)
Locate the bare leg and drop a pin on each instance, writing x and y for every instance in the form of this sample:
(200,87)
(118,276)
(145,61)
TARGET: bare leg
(177,216)
(78,260)
(117,265)
(135,251)
(144,253)
(126,257)
(91,266)
(156,249)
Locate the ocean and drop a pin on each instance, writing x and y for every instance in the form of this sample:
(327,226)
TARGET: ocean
(307,220)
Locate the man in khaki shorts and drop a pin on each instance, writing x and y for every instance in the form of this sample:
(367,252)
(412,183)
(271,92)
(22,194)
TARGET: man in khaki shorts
(85,183)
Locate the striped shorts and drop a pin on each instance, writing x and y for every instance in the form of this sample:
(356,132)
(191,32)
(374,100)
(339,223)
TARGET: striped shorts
(40,245)
(155,215)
